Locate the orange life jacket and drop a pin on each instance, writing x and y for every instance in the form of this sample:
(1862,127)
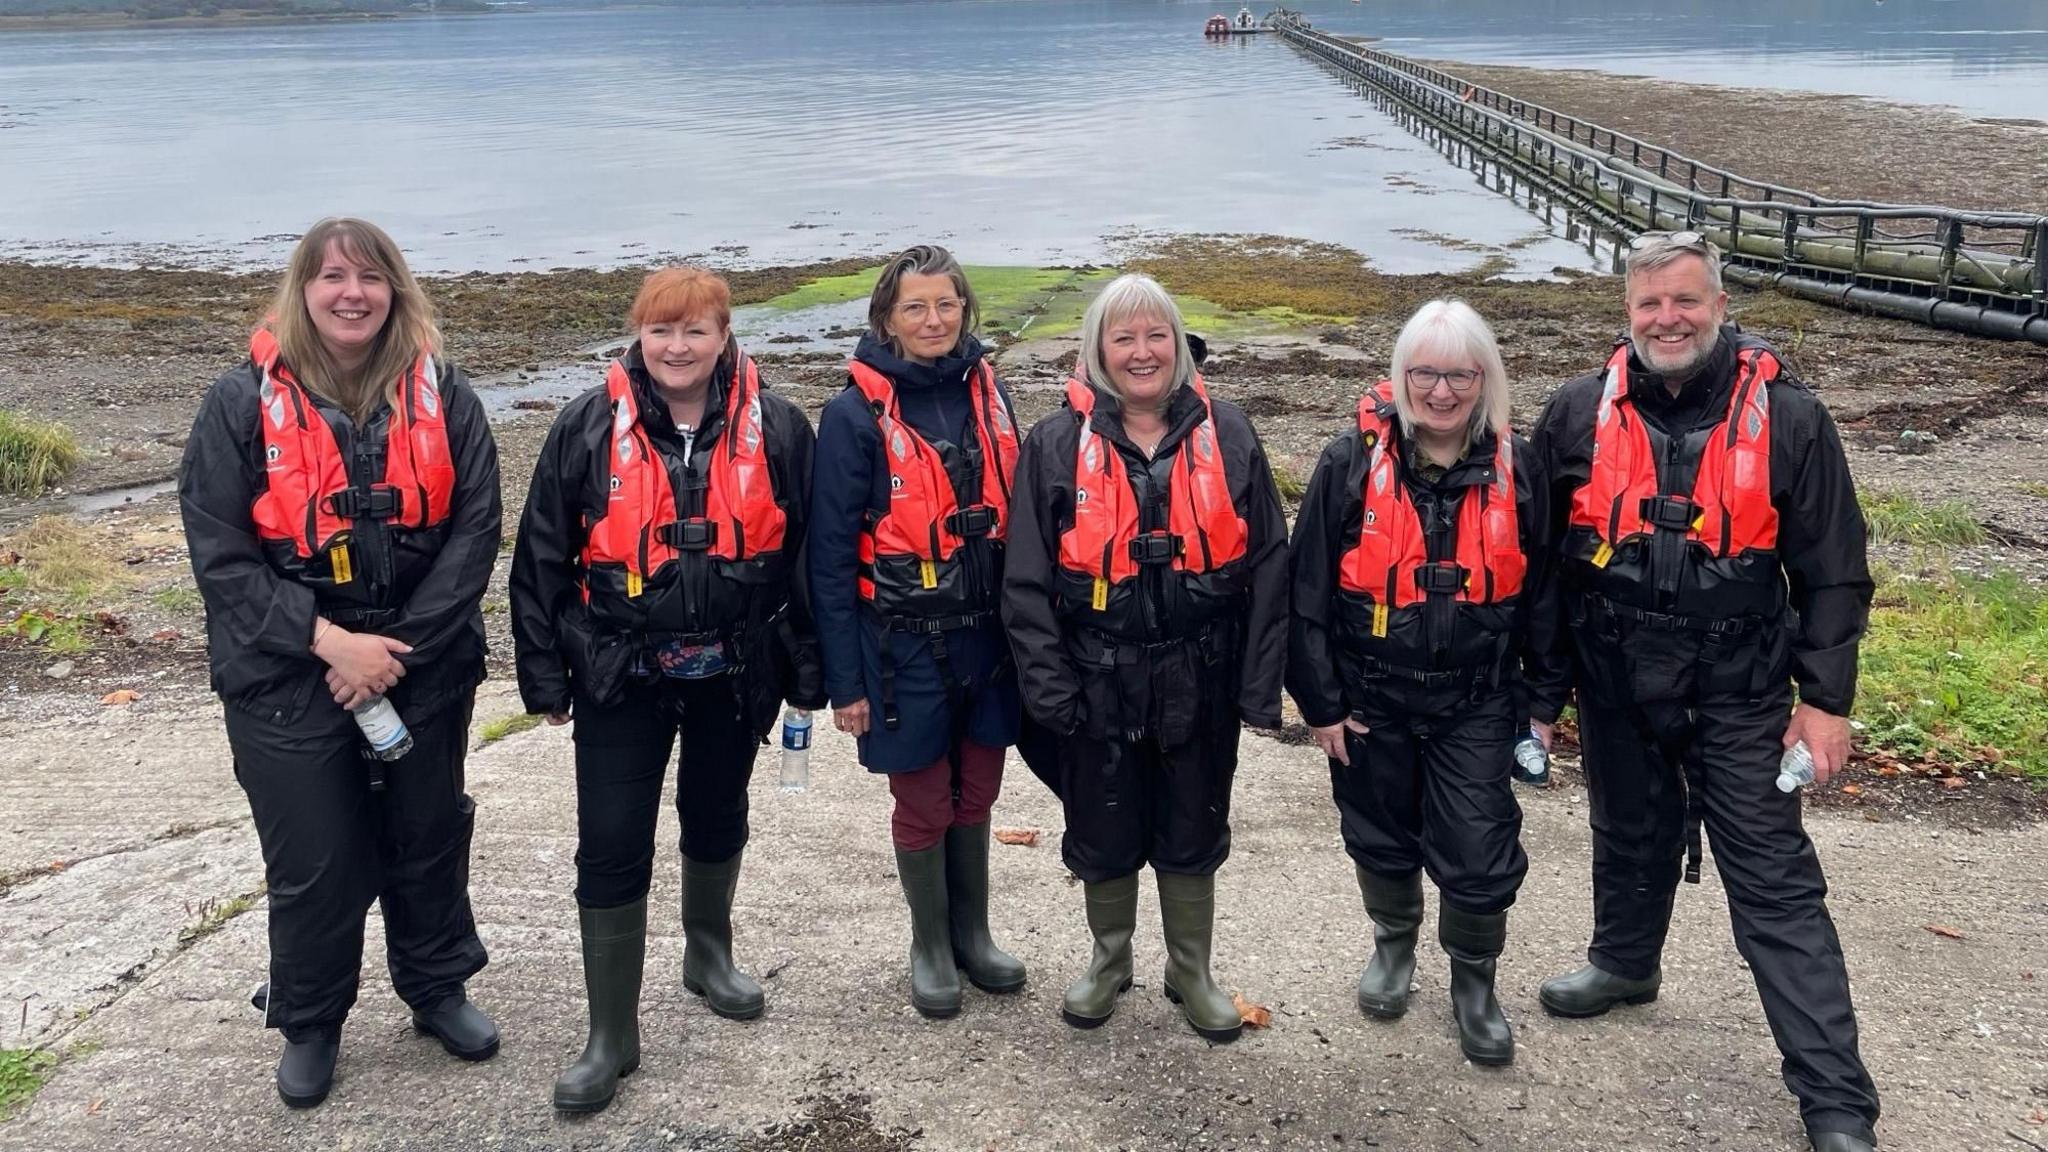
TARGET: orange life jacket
(1203,532)
(924,519)
(1730,511)
(640,528)
(1390,563)
(308,499)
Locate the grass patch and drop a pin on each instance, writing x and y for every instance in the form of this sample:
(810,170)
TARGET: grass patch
(1898,519)
(492,731)
(2034,488)
(62,562)
(1292,485)
(34,454)
(211,915)
(22,1073)
(1957,667)
(1272,277)
(178,599)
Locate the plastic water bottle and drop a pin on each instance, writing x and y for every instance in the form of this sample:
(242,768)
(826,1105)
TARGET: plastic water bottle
(383,728)
(796,750)
(1795,769)
(1532,761)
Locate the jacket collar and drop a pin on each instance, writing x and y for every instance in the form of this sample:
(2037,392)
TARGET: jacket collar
(875,352)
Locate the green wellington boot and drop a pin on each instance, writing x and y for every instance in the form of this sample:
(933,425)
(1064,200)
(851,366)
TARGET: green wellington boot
(1187,916)
(707,940)
(614,952)
(1592,990)
(934,978)
(1395,907)
(1474,944)
(1112,918)
(988,967)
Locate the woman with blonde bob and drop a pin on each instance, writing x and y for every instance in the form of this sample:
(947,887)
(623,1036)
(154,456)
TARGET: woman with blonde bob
(1146,599)
(1420,638)
(340,496)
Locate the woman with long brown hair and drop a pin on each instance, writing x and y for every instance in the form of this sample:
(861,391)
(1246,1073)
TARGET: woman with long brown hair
(340,497)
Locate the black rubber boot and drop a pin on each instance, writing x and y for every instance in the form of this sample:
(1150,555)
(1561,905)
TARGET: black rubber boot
(1112,919)
(1474,944)
(988,967)
(1590,991)
(1839,1142)
(1395,907)
(305,1073)
(934,978)
(708,969)
(1187,918)
(461,1027)
(614,956)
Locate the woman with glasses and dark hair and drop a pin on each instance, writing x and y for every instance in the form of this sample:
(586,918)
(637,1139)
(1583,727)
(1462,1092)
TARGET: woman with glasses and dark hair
(910,506)
(1420,598)
(1147,604)
(340,497)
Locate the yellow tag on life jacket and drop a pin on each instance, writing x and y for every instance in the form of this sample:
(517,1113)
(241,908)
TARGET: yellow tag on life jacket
(337,559)
(1379,620)
(1099,599)
(633,584)
(1602,555)
(929,573)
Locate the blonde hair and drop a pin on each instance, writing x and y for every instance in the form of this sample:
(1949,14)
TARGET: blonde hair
(1451,329)
(1127,296)
(408,331)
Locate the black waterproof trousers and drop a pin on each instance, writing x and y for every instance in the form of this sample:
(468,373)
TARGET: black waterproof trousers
(1428,787)
(331,847)
(1639,756)
(1130,803)
(622,757)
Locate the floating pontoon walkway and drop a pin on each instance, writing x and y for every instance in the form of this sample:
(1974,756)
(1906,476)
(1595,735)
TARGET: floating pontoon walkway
(1979,272)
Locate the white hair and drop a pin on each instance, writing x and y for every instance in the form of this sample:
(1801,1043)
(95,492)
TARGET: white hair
(1127,296)
(1451,330)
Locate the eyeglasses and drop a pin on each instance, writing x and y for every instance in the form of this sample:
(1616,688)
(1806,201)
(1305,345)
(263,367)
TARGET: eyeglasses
(1460,379)
(1697,241)
(916,311)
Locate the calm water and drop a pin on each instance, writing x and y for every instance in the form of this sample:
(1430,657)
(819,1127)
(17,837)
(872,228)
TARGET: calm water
(774,131)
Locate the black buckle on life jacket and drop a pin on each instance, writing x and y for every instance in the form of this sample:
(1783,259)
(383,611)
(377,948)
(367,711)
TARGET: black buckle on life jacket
(979,520)
(377,502)
(1161,547)
(1673,512)
(1440,579)
(695,535)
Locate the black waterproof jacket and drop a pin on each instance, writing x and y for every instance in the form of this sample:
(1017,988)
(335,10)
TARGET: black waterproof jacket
(1044,625)
(259,618)
(1328,646)
(1823,570)
(564,649)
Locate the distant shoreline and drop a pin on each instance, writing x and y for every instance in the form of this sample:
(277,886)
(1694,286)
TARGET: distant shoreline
(75,21)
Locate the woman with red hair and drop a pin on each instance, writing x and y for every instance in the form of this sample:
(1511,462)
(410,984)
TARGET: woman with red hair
(657,592)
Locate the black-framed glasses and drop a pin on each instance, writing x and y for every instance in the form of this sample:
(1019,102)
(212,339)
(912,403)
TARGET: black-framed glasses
(1687,239)
(1460,379)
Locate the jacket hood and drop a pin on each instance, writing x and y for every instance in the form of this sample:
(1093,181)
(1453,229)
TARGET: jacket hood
(875,352)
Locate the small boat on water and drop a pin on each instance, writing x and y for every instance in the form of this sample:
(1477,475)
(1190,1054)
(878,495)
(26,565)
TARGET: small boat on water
(1246,24)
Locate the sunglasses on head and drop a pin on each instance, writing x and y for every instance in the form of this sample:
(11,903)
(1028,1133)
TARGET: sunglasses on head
(1687,239)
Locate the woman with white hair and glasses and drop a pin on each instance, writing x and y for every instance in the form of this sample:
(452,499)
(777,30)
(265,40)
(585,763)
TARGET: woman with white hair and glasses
(1146,598)
(1420,639)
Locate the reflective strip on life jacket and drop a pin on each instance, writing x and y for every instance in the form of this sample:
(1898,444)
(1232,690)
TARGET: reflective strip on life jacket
(924,519)
(1392,551)
(1731,494)
(1204,531)
(642,528)
(305,472)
